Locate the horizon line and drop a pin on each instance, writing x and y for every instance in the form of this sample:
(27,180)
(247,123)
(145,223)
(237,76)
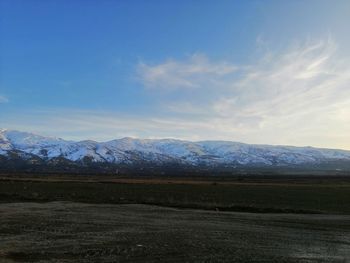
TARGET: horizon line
(169,138)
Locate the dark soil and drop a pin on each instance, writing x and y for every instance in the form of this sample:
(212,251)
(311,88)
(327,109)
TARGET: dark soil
(76,232)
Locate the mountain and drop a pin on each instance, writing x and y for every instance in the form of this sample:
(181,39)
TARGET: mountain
(30,150)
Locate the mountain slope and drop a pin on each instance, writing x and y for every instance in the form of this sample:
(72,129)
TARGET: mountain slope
(129,151)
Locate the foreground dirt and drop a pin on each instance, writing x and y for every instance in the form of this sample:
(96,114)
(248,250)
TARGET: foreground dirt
(76,232)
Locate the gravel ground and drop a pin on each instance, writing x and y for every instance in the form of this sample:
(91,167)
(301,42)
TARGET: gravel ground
(77,232)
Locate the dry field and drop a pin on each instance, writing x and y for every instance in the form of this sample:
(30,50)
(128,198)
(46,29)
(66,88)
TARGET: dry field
(76,232)
(91,219)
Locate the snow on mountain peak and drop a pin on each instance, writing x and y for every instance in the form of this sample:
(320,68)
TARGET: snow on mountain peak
(164,150)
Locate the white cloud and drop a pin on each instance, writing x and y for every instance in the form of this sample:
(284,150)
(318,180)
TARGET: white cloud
(298,96)
(3,99)
(192,73)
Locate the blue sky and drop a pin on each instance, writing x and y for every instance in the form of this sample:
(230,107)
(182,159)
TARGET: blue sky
(274,72)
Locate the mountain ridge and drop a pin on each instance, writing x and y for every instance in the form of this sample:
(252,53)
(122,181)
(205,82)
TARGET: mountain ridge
(129,151)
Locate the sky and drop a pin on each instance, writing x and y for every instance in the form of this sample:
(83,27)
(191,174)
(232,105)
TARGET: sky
(262,72)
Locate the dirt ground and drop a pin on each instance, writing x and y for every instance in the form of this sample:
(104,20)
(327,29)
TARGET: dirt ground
(77,232)
(330,196)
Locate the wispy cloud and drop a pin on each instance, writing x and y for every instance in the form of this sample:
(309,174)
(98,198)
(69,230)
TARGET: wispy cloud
(3,99)
(194,72)
(306,78)
(297,96)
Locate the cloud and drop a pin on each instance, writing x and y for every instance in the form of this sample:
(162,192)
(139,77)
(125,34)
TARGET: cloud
(3,99)
(305,78)
(194,72)
(297,96)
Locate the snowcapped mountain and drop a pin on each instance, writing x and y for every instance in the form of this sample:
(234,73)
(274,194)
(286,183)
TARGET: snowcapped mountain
(129,151)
